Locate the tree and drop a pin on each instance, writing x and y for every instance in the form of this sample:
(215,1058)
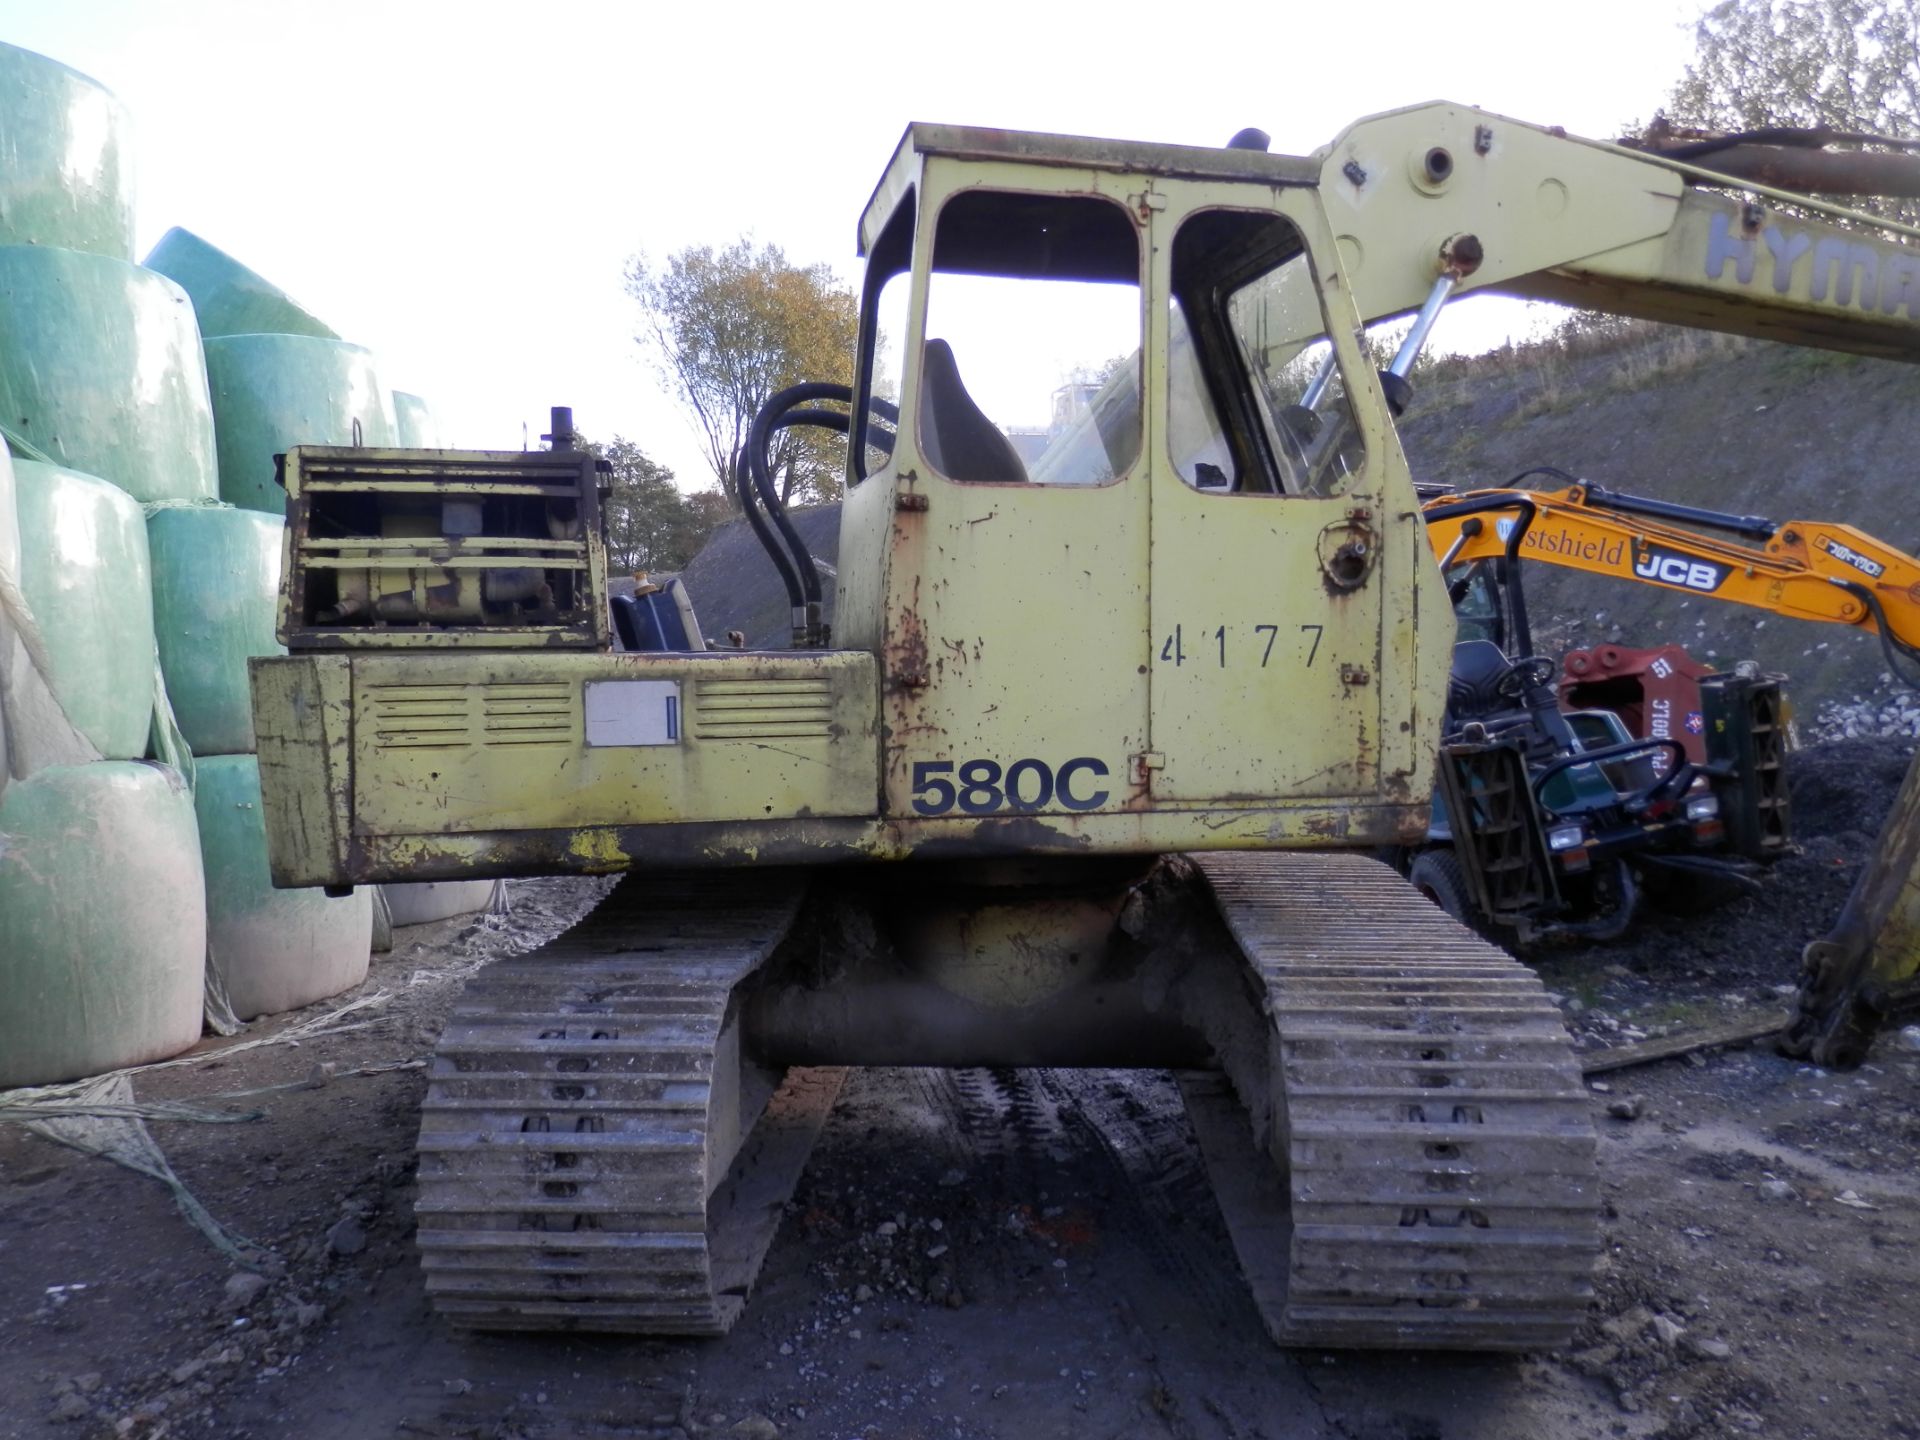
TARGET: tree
(730,328)
(1849,65)
(651,525)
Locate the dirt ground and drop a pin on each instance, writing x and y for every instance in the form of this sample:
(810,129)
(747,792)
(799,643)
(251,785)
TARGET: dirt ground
(978,1254)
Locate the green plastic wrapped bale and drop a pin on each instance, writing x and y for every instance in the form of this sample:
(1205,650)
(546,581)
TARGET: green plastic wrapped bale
(415,423)
(272,392)
(12,653)
(216,579)
(428,900)
(66,176)
(102,921)
(273,949)
(9,521)
(100,369)
(229,298)
(85,574)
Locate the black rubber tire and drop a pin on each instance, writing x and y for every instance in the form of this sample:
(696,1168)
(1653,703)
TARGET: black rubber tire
(1437,874)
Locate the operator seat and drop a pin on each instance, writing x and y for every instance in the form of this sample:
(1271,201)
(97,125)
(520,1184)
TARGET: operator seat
(959,439)
(1477,664)
(1473,694)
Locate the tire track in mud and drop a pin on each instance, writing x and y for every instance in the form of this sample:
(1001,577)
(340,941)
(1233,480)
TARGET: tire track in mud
(1135,1126)
(1101,1167)
(1120,1139)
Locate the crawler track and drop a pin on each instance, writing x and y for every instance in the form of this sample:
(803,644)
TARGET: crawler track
(1431,1129)
(589,1158)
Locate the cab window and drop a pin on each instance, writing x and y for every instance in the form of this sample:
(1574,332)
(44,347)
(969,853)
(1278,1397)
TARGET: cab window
(1257,402)
(1030,373)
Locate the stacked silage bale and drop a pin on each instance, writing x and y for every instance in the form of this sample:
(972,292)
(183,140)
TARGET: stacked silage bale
(102,919)
(120,876)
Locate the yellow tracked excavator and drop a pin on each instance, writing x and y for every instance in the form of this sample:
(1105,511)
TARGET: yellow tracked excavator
(1080,775)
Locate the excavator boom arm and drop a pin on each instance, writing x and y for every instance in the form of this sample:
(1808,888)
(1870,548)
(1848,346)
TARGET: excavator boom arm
(1627,232)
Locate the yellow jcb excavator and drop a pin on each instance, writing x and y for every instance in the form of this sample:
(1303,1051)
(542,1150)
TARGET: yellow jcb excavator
(1079,775)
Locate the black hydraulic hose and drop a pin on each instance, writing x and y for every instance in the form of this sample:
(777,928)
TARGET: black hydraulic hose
(757,441)
(841,423)
(754,483)
(1524,511)
(1553,471)
(1891,645)
(796,596)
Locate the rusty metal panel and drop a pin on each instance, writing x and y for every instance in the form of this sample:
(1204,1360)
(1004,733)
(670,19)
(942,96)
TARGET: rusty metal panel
(1265,678)
(302,721)
(601,849)
(474,743)
(1013,619)
(1268,611)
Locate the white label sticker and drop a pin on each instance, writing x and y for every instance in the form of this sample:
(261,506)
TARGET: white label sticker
(633,712)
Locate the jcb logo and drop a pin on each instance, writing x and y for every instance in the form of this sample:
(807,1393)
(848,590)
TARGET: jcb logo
(1665,568)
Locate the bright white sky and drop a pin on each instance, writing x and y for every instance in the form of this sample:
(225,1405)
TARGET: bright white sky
(457,184)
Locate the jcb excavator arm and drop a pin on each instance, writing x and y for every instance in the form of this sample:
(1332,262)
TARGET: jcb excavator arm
(1802,569)
(1659,237)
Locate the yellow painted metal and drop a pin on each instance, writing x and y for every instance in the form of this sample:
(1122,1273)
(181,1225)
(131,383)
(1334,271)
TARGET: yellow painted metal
(758,735)
(1268,677)
(1586,223)
(606,849)
(302,730)
(397,745)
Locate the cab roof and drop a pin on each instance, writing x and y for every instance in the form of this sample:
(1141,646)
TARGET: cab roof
(1026,147)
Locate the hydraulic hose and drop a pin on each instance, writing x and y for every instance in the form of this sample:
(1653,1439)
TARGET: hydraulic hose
(1754,527)
(758,439)
(796,597)
(1891,645)
(761,502)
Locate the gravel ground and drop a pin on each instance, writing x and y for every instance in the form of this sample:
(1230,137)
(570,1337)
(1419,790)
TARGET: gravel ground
(1003,1253)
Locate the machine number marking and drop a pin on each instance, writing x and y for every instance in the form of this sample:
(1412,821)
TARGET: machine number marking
(1867,566)
(981,787)
(1173,649)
